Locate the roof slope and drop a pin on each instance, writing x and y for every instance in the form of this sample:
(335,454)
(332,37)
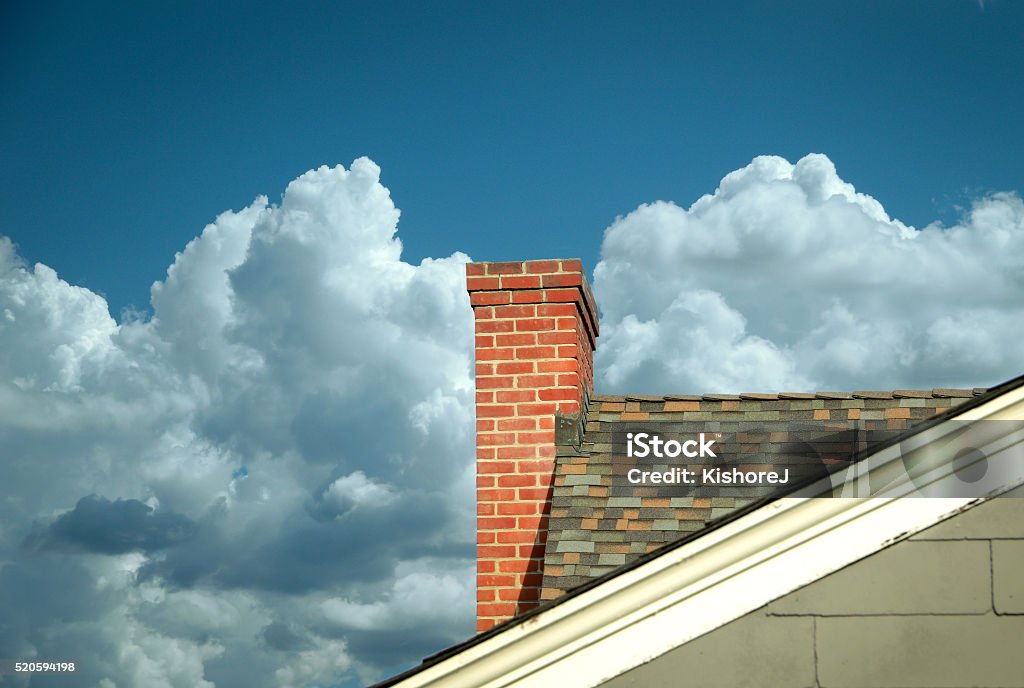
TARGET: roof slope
(598,523)
(739,563)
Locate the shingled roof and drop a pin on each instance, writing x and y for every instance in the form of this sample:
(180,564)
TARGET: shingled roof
(598,523)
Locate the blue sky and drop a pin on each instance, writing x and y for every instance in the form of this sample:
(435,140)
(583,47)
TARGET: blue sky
(512,130)
(266,479)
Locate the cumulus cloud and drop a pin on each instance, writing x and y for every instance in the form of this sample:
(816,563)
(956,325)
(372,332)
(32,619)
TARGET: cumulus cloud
(788,279)
(125,525)
(269,482)
(185,493)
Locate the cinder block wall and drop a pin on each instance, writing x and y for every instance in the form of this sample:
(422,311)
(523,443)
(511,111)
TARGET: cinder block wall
(944,608)
(536,326)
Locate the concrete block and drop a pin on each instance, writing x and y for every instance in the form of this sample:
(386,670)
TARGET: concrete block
(1008,574)
(936,577)
(920,651)
(754,650)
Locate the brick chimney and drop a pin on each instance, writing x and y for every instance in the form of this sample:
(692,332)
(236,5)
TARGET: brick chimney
(536,325)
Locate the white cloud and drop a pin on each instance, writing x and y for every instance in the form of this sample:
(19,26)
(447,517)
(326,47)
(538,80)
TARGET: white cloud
(787,279)
(293,425)
(419,598)
(355,490)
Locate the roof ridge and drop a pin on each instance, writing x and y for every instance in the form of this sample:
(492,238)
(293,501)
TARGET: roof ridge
(936,393)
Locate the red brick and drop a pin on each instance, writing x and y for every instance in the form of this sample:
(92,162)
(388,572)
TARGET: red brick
(487,538)
(515,537)
(482,283)
(485,340)
(475,269)
(488,411)
(572,407)
(484,369)
(490,298)
(484,509)
(530,296)
(486,326)
(498,523)
(532,580)
(484,452)
(567,324)
(517,480)
(535,352)
(486,398)
(546,423)
(549,338)
(567,351)
(532,324)
(502,495)
(485,481)
(557,309)
(541,266)
(516,395)
(561,295)
(521,282)
(515,367)
(517,509)
(542,409)
(495,382)
(532,522)
(504,268)
(511,594)
(495,354)
(486,425)
(486,566)
(515,312)
(495,552)
(485,624)
(518,339)
(557,394)
(500,610)
(498,438)
(488,467)
(519,565)
(563,280)
(536,381)
(482,313)
(570,380)
(495,580)
(556,366)
(517,424)
(485,595)
(542,437)
(517,452)
(541,493)
(542,466)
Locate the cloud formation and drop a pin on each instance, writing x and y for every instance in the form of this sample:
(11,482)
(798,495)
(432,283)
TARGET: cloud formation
(788,279)
(269,482)
(189,496)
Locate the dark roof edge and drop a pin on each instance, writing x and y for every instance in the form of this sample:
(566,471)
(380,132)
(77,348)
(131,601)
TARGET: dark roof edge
(977,400)
(937,393)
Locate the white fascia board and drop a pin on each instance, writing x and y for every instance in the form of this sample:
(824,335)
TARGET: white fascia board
(733,570)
